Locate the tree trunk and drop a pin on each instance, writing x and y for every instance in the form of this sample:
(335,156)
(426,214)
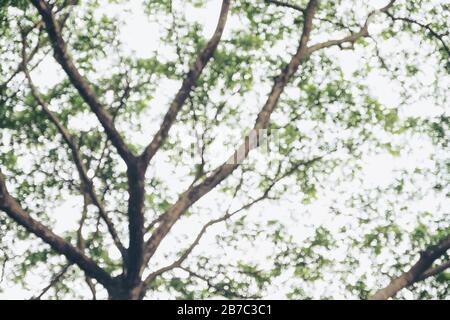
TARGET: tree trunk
(122,292)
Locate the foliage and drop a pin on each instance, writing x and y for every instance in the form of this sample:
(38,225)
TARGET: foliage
(324,230)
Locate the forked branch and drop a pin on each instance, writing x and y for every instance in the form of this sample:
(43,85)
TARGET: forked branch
(194,193)
(188,85)
(14,210)
(80,83)
(418,272)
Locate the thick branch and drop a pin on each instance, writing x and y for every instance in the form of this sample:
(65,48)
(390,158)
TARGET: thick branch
(136,194)
(194,193)
(177,263)
(79,82)
(434,271)
(228,215)
(188,84)
(86,183)
(13,209)
(417,272)
(136,173)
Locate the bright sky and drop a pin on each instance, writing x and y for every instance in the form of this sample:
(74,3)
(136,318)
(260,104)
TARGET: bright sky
(141,37)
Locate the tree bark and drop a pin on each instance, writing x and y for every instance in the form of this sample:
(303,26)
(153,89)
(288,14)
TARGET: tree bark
(14,210)
(416,272)
(123,292)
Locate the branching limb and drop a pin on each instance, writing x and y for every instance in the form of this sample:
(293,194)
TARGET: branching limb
(86,183)
(419,271)
(14,210)
(151,277)
(434,271)
(79,82)
(136,173)
(194,193)
(352,38)
(187,86)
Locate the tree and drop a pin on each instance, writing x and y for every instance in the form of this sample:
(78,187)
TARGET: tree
(145,209)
